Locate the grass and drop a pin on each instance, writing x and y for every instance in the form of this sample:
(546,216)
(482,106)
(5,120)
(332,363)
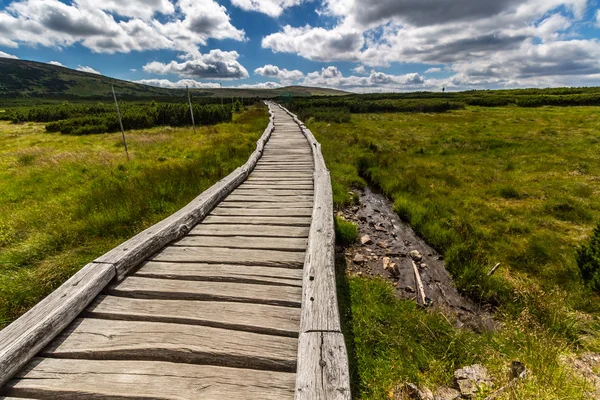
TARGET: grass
(68,199)
(483,185)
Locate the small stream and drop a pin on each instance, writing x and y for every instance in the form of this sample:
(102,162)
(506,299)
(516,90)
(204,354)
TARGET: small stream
(391,241)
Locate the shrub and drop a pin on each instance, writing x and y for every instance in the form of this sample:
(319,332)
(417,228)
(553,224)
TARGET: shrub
(588,260)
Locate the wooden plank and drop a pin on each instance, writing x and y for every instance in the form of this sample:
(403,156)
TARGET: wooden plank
(252,220)
(217,255)
(273,192)
(269,199)
(98,339)
(241,242)
(322,367)
(276,186)
(262,206)
(278,182)
(263,212)
(22,339)
(257,318)
(99,380)
(221,272)
(169,289)
(250,230)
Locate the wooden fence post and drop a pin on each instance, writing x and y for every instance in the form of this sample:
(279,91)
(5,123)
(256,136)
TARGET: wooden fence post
(120,122)
(191,108)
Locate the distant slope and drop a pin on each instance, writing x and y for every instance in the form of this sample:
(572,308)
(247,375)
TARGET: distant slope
(26,79)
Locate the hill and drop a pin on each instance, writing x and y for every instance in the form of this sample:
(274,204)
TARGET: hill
(30,79)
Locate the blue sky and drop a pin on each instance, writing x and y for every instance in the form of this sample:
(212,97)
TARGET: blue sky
(383,45)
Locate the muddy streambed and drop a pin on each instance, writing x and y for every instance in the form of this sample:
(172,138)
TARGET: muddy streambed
(391,241)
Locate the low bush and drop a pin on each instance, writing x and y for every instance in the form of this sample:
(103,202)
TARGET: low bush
(346,232)
(588,260)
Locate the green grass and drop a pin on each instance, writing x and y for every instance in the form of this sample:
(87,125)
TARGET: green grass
(346,232)
(485,185)
(68,199)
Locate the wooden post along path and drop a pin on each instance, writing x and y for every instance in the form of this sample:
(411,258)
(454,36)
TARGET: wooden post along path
(232,297)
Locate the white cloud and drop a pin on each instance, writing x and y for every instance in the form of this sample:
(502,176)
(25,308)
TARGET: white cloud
(433,70)
(332,77)
(261,85)
(133,70)
(216,64)
(273,8)
(165,83)
(85,68)
(284,75)
(360,70)
(113,26)
(6,55)
(58,64)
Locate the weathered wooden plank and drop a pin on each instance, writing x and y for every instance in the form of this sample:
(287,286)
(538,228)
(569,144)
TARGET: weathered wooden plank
(100,379)
(221,272)
(241,242)
(250,230)
(252,220)
(279,176)
(91,338)
(217,255)
(254,205)
(322,367)
(263,212)
(273,192)
(269,199)
(169,289)
(22,339)
(257,318)
(275,186)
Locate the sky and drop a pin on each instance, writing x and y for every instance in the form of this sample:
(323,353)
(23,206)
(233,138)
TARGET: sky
(353,45)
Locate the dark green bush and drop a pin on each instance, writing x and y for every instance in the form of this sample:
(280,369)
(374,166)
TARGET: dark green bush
(346,232)
(588,260)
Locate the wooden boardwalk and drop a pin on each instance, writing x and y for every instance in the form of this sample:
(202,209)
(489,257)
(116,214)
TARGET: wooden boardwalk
(215,314)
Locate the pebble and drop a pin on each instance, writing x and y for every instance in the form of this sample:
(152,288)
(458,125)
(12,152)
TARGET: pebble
(366,239)
(415,255)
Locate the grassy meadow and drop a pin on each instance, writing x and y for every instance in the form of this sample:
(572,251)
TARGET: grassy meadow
(509,184)
(67,199)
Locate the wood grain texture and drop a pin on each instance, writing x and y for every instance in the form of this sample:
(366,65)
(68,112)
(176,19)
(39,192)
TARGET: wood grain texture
(258,220)
(216,255)
(241,242)
(250,230)
(262,212)
(254,205)
(91,338)
(257,318)
(101,380)
(322,367)
(269,199)
(169,289)
(22,339)
(220,272)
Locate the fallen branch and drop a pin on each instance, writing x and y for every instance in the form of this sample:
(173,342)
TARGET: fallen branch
(493,269)
(419,285)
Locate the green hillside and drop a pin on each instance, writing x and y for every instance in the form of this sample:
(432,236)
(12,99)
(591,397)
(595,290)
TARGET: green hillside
(30,79)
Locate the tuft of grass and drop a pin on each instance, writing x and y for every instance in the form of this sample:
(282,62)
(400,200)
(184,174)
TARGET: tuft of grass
(588,260)
(346,232)
(78,197)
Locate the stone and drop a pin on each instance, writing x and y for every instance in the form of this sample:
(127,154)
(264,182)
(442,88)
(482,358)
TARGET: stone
(470,379)
(359,259)
(410,289)
(416,393)
(390,266)
(383,245)
(446,394)
(518,370)
(415,255)
(422,265)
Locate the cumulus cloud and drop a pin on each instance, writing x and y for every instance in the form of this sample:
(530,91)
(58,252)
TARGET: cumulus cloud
(58,64)
(6,55)
(113,26)
(477,39)
(273,8)
(85,68)
(360,70)
(216,64)
(165,83)
(261,85)
(283,74)
(433,70)
(332,77)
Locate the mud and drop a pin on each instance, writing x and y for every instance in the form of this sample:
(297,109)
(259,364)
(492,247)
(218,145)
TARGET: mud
(395,239)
